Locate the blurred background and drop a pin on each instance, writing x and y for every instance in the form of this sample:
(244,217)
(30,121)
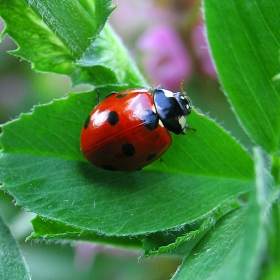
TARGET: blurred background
(167,40)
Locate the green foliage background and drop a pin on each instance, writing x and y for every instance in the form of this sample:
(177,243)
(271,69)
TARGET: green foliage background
(193,203)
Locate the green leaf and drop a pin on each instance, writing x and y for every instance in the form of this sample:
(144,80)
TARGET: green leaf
(236,248)
(254,243)
(57,231)
(56,34)
(101,53)
(245,42)
(42,167)
(271,266)
(12,265)
(217,249)
(182,240)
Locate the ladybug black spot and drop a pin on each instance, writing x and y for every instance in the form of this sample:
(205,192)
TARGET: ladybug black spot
(151,157)
(113,118)
(122,95)
(112,93)
(109,167)
(150,119)
(86,124)
(128,149)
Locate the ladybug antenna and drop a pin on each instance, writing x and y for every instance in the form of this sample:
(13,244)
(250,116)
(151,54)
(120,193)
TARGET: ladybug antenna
(181,87)
(183,93)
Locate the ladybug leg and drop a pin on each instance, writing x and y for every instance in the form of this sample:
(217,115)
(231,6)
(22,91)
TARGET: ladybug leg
(187,127)
(190,128)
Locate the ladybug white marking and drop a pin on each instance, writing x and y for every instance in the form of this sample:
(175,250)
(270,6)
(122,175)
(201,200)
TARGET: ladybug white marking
(183,122)
(168,93)
(160,123)
(154,109)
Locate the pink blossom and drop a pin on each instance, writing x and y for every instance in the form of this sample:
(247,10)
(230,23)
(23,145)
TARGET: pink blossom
(166,61)
(86,253)
(202,50)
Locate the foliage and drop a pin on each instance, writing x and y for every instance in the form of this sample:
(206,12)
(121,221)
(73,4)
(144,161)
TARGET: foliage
(12,265)
(191,204)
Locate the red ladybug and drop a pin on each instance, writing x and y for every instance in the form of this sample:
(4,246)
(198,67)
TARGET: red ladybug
(129,129)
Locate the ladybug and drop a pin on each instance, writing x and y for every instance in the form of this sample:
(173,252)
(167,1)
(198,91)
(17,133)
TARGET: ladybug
(130,129)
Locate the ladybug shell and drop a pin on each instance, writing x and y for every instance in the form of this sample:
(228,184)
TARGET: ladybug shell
(123,132)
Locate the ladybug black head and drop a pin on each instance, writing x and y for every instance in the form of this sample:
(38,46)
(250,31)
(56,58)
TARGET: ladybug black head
(172,108)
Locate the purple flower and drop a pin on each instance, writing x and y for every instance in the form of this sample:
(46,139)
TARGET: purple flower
(165,60)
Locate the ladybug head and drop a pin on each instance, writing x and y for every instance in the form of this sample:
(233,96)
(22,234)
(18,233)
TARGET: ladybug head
(172,108)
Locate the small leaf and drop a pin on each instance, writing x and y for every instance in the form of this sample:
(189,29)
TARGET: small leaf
(12,265)
(101,52)
(245,42)
(255,240)
(217,249)
(57,231)
(181,241)
(56,34)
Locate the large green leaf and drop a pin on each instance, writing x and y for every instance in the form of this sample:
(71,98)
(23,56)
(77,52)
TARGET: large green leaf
(12,265)
(42,166)
(56,34)
(244,37)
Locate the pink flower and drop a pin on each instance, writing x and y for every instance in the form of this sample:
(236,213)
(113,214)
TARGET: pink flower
(165,60)
(202,50)
(86,253)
